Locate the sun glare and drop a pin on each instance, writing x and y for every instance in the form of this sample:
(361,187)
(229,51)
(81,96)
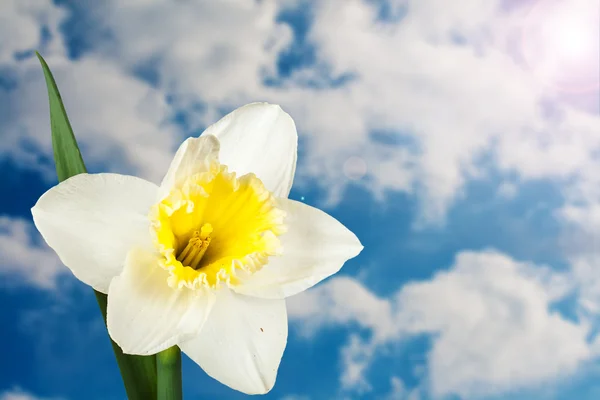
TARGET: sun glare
(573,41)
(561,44)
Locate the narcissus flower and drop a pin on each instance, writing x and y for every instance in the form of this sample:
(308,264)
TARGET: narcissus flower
(206,260)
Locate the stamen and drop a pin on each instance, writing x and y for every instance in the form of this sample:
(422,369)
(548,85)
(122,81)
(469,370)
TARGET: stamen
(196,247)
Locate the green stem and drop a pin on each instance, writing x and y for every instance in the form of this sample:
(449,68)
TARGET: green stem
(168,369)
(138,372)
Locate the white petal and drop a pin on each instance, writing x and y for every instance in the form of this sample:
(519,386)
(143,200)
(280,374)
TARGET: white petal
(92,220)
(242,342)
(259,138)
(193,156)
(145,315)
(315,246)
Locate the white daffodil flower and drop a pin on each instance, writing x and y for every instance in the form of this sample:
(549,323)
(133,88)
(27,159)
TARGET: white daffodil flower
(206,260)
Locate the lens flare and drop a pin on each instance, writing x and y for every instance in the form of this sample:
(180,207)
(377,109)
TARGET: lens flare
(355,168)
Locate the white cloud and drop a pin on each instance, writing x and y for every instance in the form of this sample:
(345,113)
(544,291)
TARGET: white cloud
(495,331)
(119,121)
(294,397)
(489,317)
(507,190)
(585,271)
(208,50)
(399,391)
(19,394)
(201,51)
(580,240)
(457,100)
(451,83)
(327,304)
(25,260)
(356,356)
(586,217)
(22,21)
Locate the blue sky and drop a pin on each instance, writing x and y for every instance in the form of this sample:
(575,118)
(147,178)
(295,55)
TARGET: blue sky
(460,142)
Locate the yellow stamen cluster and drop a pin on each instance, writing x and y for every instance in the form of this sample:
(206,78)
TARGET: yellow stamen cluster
(196,247)
(215,226)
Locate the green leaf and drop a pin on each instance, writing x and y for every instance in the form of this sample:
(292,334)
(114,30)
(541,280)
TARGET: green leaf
(168,368)
(138,373)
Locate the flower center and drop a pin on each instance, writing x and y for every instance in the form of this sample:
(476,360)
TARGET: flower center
(215,227)
(196,247)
